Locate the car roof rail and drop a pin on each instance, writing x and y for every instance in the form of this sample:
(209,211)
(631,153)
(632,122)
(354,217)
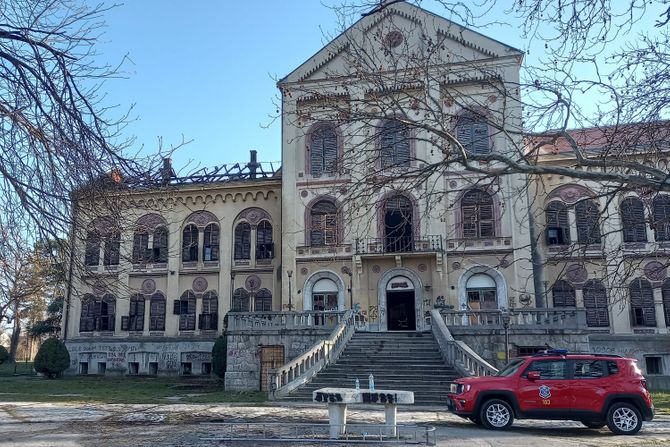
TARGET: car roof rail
(564,352)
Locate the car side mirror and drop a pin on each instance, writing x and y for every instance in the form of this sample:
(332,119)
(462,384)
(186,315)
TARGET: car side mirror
(533,375)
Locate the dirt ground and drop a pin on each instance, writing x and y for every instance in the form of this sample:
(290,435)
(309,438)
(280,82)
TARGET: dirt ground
(28,424)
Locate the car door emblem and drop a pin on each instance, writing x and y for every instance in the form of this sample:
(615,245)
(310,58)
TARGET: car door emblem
(545,392)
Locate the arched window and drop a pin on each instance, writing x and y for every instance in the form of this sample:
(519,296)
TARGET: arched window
(472,131)
(643,311)
(92,256)
(210,312)
(395,151)
(588,222)
(661,207)
(323,151)
(141,247)
(595,302)
(264,245)
(185,308)
(112,250)
(160,247)
(563,294)
(477,214)
(107,316)
(263,301)
(210,246)
(632,220)
(189,244)
(135,314)
(240,301)
(157,312)
(243,241)
(558,226)
(87,319)
(323,228)
(324,295)
(398,224)
(665,292)
(482,292)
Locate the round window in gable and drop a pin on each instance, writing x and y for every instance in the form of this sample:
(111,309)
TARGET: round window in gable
(393,39)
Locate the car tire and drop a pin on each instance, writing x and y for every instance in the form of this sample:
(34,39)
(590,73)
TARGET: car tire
(624,418)
(593,424)
(496,414)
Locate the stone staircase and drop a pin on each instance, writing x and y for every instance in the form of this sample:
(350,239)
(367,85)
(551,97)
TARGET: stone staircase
(408,361)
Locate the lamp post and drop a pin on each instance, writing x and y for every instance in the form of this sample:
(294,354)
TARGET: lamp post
(505,317)
(289,273)
(351,289)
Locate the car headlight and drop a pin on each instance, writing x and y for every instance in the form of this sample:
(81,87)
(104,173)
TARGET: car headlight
(468,387)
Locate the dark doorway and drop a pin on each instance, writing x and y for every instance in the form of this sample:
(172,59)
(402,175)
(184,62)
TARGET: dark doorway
(401,315)
(398,225)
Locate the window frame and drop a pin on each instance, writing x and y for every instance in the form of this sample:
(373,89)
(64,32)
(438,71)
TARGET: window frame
(395,148)
(323,159)
(633,222)
(471,208)
(324,223)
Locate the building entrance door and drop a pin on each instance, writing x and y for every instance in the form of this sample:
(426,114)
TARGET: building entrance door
(400,311)
(271,357)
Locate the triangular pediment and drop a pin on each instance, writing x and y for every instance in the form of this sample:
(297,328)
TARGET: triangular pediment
(370,41)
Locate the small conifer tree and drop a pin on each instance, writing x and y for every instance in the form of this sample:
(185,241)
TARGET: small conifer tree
(52,358)
(219,356)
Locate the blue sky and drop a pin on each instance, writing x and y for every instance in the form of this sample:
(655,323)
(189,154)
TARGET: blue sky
(206,70)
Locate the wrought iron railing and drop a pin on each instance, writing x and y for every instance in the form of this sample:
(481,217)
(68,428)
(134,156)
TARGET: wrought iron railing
(410,244)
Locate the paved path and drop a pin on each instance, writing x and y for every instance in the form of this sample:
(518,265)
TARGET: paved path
(38,424)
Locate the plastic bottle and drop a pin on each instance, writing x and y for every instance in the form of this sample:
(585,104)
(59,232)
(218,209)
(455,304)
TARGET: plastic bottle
(358,384)
(371,382)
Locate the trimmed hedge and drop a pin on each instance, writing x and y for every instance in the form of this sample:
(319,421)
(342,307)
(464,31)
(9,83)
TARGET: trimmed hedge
(52,358)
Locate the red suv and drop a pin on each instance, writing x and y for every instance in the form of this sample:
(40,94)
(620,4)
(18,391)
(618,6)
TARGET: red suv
(596,389)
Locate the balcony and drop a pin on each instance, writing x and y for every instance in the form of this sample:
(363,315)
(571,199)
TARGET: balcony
(393,245)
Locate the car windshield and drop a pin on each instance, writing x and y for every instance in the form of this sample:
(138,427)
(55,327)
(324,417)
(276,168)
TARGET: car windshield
(510,368)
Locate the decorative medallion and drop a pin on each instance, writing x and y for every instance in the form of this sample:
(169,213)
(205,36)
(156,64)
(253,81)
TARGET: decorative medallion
(456,266)
(252,283)
(453,184)
(376,269)
(345,270)
(576,273)
(422,267)
(303,193)
(99,288)
(492,98)
(304,271)
(504,263)
(393,39)
(655,271)
(199,284)
(148,286)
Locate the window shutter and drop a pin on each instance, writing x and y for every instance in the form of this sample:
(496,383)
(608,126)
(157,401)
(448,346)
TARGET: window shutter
(595,302)
(563,294)
(316,156)
(464,133)
(632,220)
(662,217)
(124,323)
(176,307)
(480,138)
(665,292)
(330,151)
(201,319)
(588,222)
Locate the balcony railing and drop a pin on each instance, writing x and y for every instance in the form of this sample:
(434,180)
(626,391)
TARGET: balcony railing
(382,245)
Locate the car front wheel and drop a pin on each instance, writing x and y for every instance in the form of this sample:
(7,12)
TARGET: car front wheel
(624,419)
(496,414)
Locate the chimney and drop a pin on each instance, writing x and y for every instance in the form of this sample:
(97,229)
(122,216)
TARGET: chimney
(253,164)
(166,172)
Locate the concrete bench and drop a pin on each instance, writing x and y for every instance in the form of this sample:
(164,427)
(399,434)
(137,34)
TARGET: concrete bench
(338,399)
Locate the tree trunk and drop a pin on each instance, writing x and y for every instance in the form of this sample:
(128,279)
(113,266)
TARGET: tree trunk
(14,342)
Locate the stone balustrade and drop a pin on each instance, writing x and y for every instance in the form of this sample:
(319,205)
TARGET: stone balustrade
(546,318)
(300,370)
(272,321)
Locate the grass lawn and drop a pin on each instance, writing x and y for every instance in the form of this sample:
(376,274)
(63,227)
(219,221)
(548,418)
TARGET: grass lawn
(661,402)
(130,390)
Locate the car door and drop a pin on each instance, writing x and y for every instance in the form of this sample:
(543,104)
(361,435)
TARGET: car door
(547,396)
(590,386)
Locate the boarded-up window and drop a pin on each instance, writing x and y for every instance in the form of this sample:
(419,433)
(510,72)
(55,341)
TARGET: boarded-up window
(323,151)
(632,220)
(643,312)
(558,226)
(477,214)
(187,311)
(240,301)
(323,225)
(157,312)
(563,294)
(189,244)
(263,301)
(662,217)
(243,241)
(595,302)
(473,134)
(665,291)
(209,317)
(395,151)
(588,222)
(210,245)
(264,245)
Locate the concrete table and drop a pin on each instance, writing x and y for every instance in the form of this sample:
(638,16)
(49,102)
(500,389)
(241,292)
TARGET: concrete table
(338,399)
